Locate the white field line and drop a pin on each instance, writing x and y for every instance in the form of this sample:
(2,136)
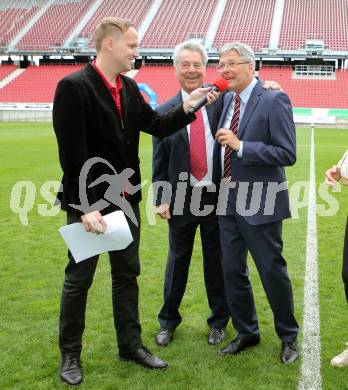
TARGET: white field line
(310,369)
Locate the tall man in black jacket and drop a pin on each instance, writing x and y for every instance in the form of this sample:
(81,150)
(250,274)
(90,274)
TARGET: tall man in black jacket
(98,112)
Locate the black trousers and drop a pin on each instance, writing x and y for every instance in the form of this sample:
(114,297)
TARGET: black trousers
(125,268)
(345,261)
(265,245)
(182,231)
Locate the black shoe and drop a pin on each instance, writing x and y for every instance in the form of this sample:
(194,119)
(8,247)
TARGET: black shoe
(144,357)
(289,352)
(237,345)
(71,370)
(216,335)
(164,337)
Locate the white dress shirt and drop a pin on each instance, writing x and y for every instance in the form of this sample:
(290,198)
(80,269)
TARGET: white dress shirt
(343,164)
(244,98)
(209,143)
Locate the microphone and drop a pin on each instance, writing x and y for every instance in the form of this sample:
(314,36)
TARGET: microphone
(219,85)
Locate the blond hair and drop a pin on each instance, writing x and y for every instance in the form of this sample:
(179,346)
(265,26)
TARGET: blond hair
(108,26)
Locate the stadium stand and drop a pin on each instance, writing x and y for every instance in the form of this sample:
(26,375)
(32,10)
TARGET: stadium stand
(241,18)
(37,84)
(319,93)
(303,92)
(14,15)
(40,25)
(5,70)
(54,26)
(312,19)
(177,21)
(134,11)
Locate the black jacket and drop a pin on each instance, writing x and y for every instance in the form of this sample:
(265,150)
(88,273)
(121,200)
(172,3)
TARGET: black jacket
(87,124)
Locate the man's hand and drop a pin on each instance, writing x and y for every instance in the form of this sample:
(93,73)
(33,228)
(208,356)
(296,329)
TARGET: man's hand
(198,94)
(94,222)
(227,137)
(272,85)
(332,176)
(163,211)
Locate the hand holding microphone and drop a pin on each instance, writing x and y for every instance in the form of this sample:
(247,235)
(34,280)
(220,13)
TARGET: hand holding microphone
(201,96)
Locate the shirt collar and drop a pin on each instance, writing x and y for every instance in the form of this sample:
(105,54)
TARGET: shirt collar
(106,81)
(184,94)
(245,94)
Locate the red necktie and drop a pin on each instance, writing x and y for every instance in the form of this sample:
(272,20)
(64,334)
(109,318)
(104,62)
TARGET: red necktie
(234,128)
(198,150)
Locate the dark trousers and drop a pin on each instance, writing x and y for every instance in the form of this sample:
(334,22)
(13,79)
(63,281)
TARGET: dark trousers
(345,261)
(265,245)
(125,268)
(182,231)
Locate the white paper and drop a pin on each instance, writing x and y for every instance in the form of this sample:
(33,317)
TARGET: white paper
(84,245)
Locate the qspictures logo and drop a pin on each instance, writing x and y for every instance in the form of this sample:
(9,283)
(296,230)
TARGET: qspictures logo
(251,197)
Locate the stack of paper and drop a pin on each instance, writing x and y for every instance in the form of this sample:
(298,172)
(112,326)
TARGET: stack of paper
(84,245)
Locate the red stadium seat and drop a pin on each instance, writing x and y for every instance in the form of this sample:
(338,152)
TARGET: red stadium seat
(134,11)
(36,85)
(175,21)
(247,21)
(326,20)
(55,25)
(14,15)
(314,93)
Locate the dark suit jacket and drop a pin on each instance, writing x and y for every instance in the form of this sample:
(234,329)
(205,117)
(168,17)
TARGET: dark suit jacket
(171,155)
(268,133)
(87,124)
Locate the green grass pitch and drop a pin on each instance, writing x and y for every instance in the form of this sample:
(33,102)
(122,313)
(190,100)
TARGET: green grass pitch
(32,264)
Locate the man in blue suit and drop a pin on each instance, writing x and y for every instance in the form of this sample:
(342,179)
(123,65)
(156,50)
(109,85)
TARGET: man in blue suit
(186,158)
(256,140)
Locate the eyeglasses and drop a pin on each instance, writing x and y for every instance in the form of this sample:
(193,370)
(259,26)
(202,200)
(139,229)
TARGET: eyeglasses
(188,65)
(230,65)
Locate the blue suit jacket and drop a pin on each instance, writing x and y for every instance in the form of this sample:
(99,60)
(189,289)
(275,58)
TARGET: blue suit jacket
(268,133)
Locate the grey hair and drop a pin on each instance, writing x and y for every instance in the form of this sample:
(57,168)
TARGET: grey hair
(246,52)
(191,45)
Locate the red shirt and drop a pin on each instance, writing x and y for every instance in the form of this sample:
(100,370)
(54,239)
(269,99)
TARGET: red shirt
(116,95)
(115,92)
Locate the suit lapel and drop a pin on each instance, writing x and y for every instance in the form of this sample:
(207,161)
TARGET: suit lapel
(210,114)
(103,90)
(227,102)
(124,104)
(249,109)
(228,98)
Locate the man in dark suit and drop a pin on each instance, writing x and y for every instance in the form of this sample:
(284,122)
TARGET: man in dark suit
(258,135)
(187,157)
(98,112)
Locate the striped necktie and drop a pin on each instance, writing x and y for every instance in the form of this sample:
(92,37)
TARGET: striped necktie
(234,128)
